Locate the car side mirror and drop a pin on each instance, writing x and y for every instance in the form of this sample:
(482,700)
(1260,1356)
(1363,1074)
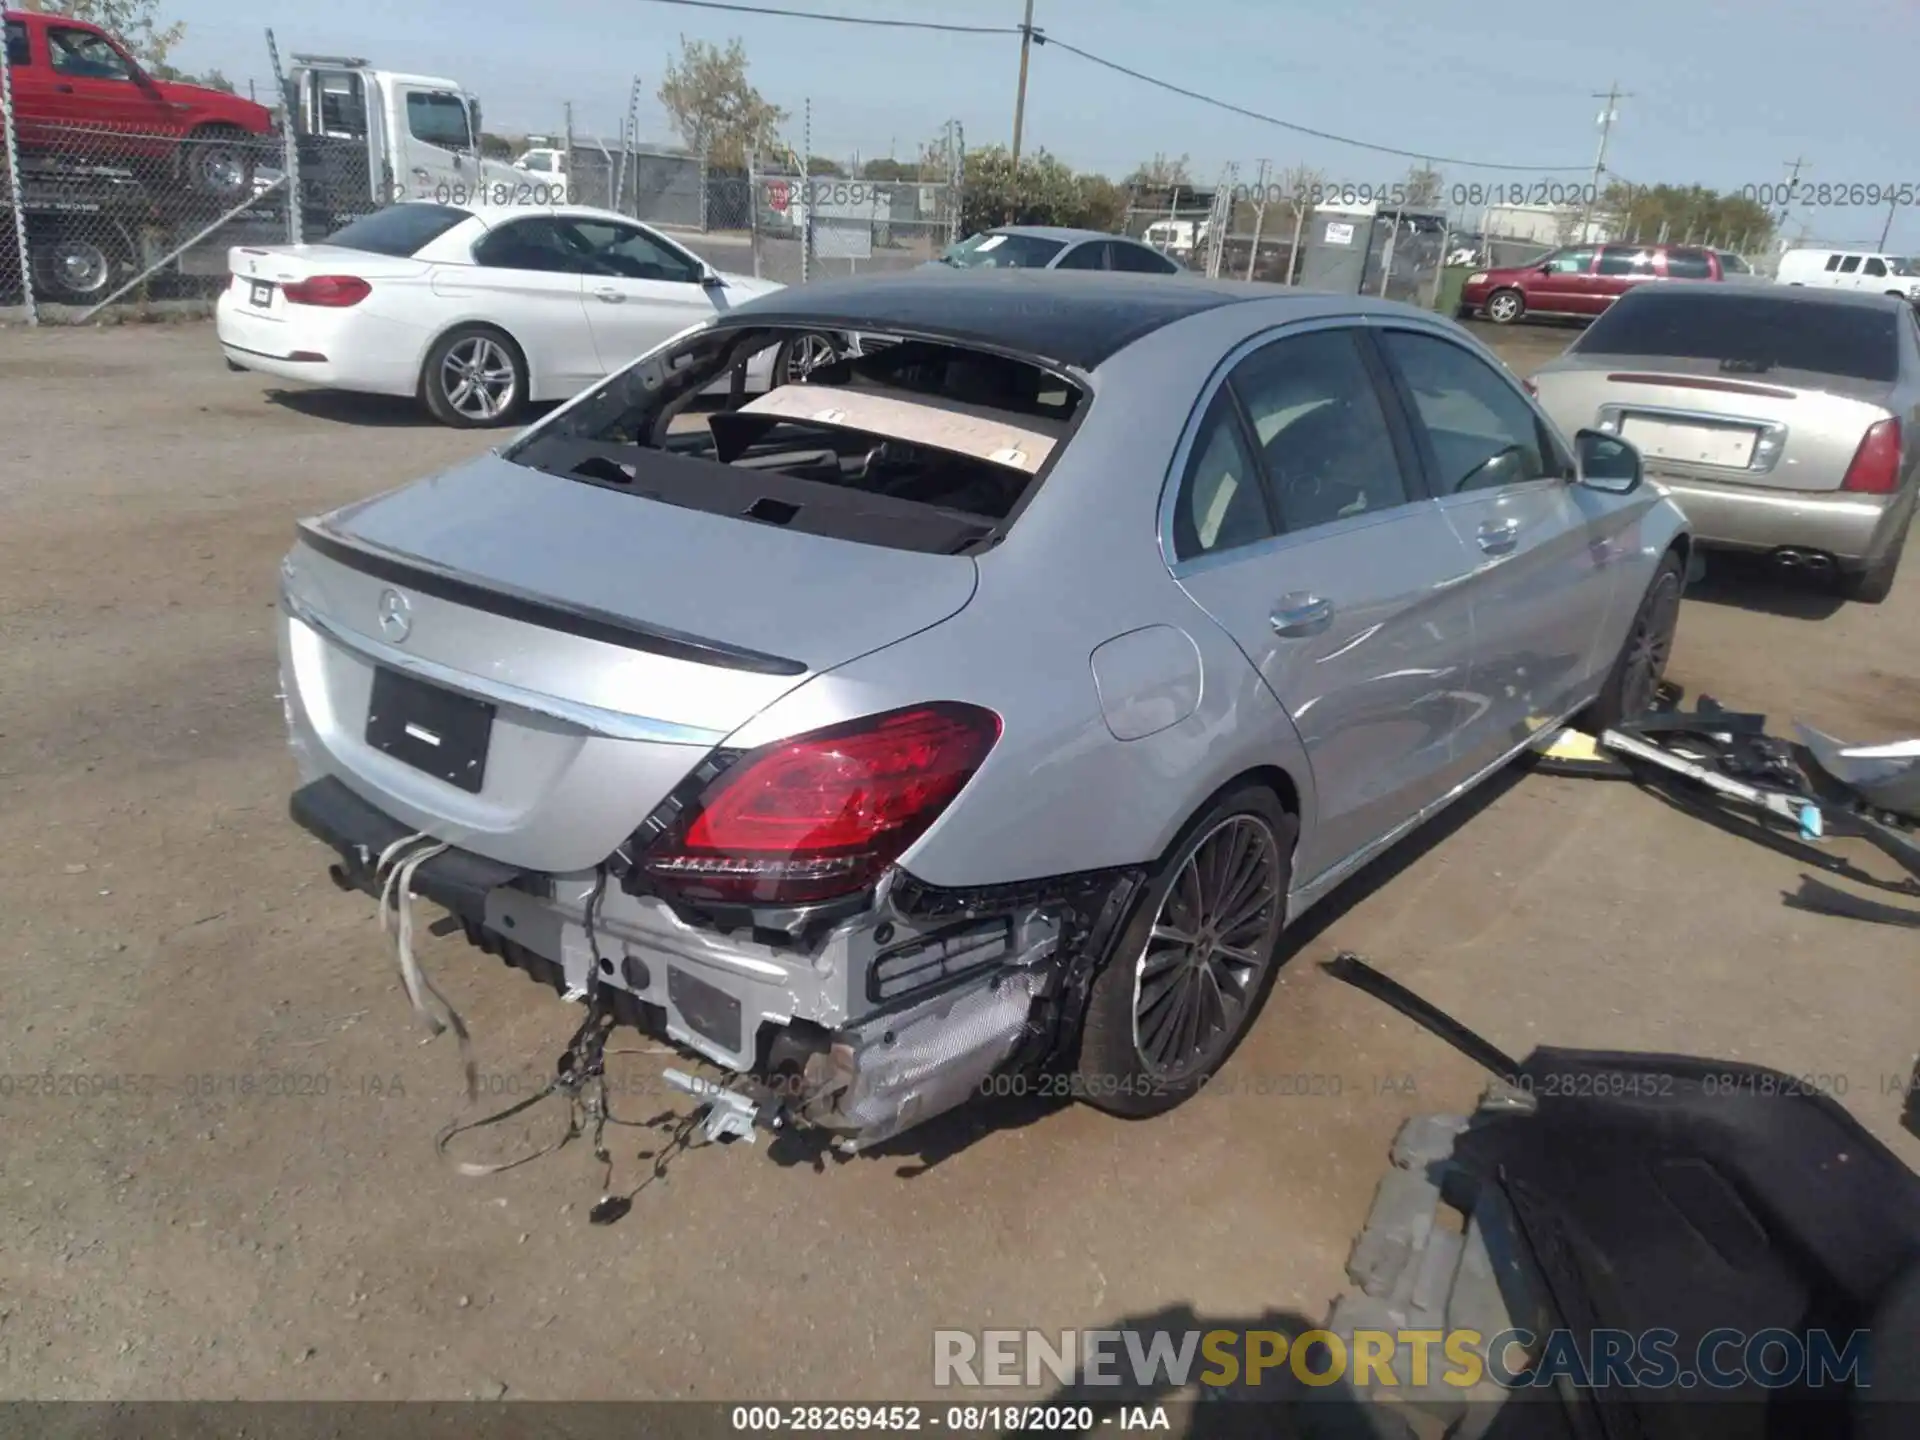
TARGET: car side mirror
(710,279)
(1606,462)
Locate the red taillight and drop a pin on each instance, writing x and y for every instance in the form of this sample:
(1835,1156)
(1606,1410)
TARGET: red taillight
(822,815)
(1876,464)
(334,291)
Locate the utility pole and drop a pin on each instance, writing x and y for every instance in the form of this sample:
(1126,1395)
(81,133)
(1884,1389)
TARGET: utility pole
(1020,95)
(1793,188)
(1887,229)
(1607,117)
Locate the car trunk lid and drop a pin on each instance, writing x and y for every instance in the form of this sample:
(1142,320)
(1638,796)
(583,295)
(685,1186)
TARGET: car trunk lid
(1697,419)
(618,641)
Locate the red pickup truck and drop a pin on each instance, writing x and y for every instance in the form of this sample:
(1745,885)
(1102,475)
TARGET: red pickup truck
(79,94)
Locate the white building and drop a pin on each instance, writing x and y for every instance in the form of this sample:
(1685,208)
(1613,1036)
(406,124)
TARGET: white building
(1545,224)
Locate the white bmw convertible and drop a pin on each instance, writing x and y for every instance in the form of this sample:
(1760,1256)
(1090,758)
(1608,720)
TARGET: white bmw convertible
(475,310)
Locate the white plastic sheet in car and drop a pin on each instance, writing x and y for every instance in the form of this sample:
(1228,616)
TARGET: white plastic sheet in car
(924,420)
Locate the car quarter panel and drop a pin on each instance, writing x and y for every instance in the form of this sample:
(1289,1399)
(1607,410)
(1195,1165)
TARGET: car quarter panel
(1081,567)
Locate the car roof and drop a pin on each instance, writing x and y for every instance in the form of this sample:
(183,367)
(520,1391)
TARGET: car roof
(1079,318)
(1053,232)
(1786,294)
(491,215)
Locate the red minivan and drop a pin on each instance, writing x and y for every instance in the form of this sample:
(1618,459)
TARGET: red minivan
(1585,279)
(77,93)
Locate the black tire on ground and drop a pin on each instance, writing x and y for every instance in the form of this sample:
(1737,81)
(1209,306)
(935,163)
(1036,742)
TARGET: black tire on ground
(1223,886)
(1463,312)
(1506,306)
(218,161)
(1873,584)
(475,376)
(1634,681)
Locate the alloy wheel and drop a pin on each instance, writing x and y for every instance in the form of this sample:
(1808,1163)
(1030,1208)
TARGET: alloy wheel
(1503,308)
(477,377)
(1651,645)
(1208,950)
(807,354)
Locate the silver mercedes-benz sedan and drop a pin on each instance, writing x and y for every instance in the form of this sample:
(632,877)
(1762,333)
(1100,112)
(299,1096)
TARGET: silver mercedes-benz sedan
(1783,421)
(984,705)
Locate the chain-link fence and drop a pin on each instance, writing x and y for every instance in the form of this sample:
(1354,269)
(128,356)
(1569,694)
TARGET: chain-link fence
(781,214)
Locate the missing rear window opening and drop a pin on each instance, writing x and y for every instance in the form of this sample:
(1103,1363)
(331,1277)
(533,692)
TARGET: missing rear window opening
(914,444)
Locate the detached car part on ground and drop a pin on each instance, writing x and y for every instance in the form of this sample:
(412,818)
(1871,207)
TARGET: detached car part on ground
(1602,1195)
(990,700)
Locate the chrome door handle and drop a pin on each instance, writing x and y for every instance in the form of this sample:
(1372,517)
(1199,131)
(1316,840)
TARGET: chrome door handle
(610,295)
(1498,536)
(1301,615)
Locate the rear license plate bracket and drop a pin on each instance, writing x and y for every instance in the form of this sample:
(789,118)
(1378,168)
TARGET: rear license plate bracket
(1728,446)
(261,293)
(437,731)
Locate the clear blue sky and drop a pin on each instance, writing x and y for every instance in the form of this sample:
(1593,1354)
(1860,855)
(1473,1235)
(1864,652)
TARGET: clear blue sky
(1722,93)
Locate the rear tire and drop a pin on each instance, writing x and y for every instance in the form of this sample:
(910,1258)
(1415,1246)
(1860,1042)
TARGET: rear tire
(1191,970)
(475,377)
(1875,583)
(1634,682)
(1506,306)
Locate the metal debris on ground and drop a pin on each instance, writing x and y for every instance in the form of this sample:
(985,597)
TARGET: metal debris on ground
(1722,766)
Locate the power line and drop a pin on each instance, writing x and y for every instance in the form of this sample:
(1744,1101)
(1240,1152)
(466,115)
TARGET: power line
(843,19)
(1043,39)
(1040,37)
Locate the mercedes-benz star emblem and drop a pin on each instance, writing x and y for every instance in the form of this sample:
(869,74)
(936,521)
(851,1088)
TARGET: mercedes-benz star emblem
(396,616)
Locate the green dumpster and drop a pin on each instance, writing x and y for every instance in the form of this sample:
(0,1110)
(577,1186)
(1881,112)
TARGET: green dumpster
(1453,279)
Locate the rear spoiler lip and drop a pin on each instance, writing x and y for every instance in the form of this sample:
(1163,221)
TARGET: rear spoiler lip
(512,603)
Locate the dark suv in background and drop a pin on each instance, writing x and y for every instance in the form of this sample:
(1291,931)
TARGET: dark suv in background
(1584,280)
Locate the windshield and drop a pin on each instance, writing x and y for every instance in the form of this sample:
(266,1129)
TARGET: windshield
(1750,332)
(399,229)
(997,250)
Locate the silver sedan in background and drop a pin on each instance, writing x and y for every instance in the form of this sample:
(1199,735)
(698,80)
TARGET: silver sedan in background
(989,700)
(1784,421)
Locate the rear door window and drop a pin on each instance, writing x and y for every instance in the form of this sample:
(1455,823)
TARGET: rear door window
(1140,260)
(1749,332)
(1689,265)
(399,229)
(1321,430)
(1625,260)
(1833,262)
(1850,265)
(1090,256)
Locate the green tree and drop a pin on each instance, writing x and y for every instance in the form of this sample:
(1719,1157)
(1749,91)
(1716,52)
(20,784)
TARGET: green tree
(714,106)
(136,23)
(1685,211)
(1041,190)
(823,165)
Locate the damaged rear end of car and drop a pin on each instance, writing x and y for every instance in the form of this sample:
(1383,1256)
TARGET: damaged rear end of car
(576,670)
